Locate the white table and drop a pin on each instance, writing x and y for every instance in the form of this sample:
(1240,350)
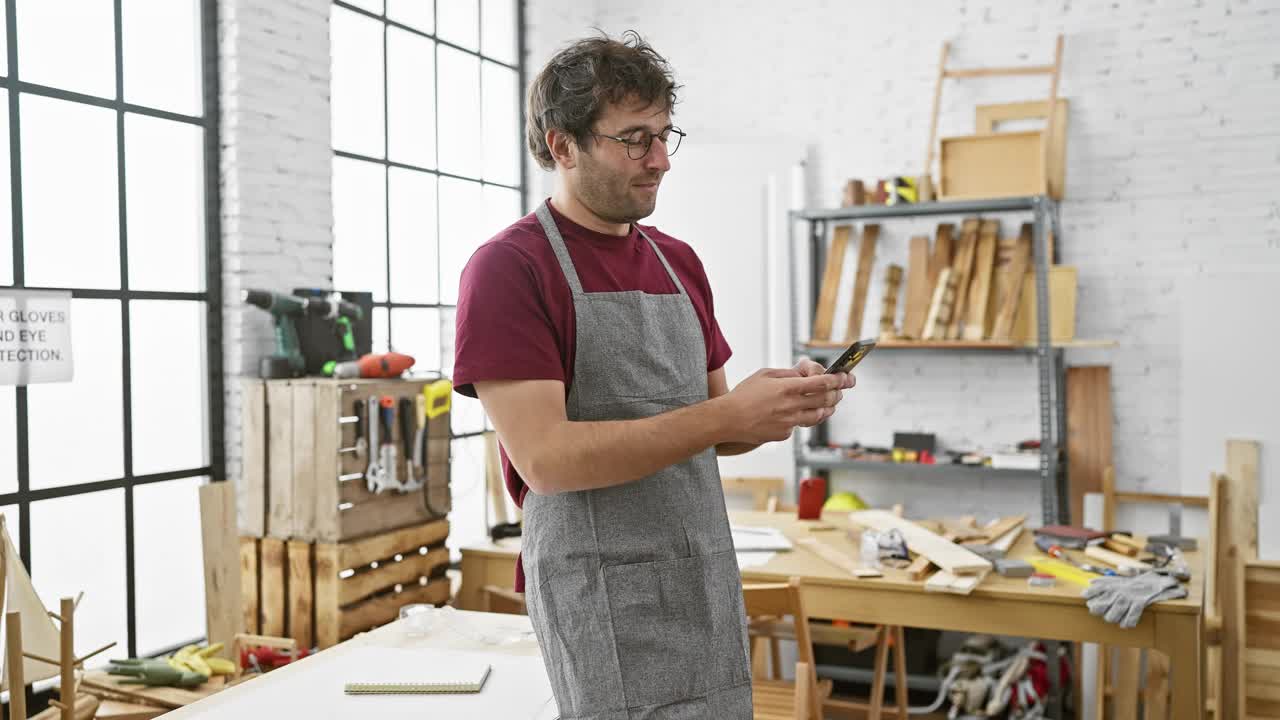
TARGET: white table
(304,688)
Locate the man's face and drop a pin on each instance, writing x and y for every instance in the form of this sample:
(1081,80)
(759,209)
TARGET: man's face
(611,184)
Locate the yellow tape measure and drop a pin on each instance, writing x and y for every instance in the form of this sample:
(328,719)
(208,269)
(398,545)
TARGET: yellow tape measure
(439,398)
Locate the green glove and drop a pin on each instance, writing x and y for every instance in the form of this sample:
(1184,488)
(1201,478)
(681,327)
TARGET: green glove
(154,672)
(1121,600)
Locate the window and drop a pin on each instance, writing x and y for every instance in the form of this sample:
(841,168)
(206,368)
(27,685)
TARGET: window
(428,164)
(108,165)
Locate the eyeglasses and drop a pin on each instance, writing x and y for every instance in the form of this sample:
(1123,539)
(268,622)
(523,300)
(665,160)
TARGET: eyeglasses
(638,142)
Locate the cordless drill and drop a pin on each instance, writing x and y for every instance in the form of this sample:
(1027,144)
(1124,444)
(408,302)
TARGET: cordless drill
(287,361)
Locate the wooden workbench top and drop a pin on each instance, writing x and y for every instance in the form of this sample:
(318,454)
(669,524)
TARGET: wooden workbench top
(802,563)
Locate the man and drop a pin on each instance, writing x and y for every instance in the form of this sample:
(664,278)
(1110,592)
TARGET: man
(592,343)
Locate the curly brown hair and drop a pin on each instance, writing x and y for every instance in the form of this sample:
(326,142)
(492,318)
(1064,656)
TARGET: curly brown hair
(572,90)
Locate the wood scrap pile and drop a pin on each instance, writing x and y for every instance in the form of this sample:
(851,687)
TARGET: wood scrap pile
(935,543)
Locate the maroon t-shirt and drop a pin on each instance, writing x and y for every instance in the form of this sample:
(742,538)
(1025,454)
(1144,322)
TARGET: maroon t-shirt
(515,318)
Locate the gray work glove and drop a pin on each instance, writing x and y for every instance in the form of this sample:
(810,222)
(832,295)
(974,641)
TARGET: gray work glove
(1121,600)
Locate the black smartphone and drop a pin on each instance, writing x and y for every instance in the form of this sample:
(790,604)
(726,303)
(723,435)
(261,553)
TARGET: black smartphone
(851,357)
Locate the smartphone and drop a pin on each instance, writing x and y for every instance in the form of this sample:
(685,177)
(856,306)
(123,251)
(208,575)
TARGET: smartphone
(851,357)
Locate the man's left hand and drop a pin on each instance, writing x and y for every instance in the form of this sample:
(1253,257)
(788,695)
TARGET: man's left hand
(808,368)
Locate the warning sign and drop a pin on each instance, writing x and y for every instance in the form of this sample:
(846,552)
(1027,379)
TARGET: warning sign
(35,337)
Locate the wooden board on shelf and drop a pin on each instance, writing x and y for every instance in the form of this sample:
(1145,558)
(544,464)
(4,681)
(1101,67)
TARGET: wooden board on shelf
(889,303)
(1089,424)
(961,267)
(940,307)
(862,281)
(976,321)
(919,288)
(1007,164)
(943,247)
(940,551)
(987,117)
(826,310)
(1063,281)
(1008,305)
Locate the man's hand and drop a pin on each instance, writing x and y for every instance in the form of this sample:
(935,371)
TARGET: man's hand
(769,404)
(809,368)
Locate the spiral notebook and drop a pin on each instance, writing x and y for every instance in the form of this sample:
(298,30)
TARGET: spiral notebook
(407,675)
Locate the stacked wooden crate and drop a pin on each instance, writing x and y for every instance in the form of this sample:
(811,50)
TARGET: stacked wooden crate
(323,557)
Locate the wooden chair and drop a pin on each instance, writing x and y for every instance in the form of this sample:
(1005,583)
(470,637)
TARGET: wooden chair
(762,489)
(778,699)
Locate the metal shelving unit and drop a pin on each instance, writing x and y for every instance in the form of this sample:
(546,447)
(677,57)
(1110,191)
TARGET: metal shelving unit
(1052,374)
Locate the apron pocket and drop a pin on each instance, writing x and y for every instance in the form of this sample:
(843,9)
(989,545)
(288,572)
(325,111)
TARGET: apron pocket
(677,626)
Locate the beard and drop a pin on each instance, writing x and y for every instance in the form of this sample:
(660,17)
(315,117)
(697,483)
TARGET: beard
(610,195)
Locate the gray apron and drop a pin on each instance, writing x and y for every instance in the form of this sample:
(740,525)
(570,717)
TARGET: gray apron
(634,590)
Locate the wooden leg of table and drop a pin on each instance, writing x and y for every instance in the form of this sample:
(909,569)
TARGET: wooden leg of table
(900,670)
(877,683)
(1178,637)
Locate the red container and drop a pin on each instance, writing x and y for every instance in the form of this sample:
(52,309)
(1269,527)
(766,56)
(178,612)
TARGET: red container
(813,493)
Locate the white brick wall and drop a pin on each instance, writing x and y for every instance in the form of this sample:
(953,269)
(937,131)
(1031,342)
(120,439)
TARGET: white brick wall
(277,213)
(1173,163)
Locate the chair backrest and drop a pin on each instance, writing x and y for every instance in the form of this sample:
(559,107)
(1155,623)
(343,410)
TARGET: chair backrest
(502,600)
(777,600)
(760,488)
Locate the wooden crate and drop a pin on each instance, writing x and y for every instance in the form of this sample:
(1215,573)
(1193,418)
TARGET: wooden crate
(988,166)
(299,479)
(323,593)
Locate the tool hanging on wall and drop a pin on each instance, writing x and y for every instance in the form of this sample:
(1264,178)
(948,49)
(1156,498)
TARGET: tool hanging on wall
(432,446)
(409,428)
(375,474)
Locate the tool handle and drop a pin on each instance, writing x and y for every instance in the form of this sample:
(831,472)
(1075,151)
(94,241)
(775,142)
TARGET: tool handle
(408,425)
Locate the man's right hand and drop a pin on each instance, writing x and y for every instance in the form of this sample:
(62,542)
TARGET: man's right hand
(770,404)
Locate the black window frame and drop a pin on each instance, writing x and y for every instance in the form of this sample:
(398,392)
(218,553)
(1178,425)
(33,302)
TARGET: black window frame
(215,470)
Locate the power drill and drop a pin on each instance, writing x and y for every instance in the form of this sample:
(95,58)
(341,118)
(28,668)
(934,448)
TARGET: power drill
(287,361)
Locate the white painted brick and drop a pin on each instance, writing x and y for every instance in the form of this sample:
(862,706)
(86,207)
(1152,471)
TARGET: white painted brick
(1172,165)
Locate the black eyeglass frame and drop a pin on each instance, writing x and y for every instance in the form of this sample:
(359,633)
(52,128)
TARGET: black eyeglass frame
(632,145)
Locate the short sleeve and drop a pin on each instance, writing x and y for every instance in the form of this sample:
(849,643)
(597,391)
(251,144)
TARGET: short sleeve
(718,350)
(503,330)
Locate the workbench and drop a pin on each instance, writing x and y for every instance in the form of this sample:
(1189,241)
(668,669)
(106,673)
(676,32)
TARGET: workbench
(998,605)
(304,688)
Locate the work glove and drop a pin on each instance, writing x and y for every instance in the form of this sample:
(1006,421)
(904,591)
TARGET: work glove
(1121,600)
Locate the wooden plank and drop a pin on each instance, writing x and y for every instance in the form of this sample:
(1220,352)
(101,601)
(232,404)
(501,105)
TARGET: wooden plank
(273,576)
(304,459)
(940,307)
(919,289)
(986,117)
(326,594)
(167,697)
(383,512)
(837,558)
(943,581)
(381,547)
(976,321)
(251,488)
(385,608)
(249,584)
(327,465)
(961,269)
(1125,698)
(301,599)
(1002,527)
(919,568)
(943,553)
(1261,708)
(826,309)
(1003,326)
(391,573)
(1009,164)
(122,710)
(222,590)
(1239,545)
(279,459)
(1089,425)
(1006,541)
(1063,292)
(889,303)
(862,281)
(943,247)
